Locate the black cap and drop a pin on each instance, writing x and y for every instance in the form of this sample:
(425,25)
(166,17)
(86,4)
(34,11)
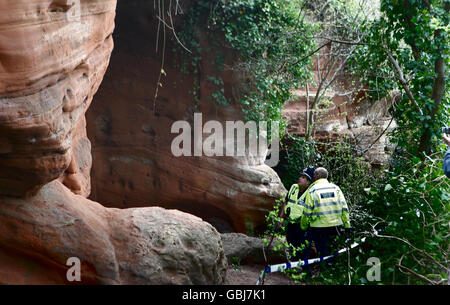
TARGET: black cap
(308,172)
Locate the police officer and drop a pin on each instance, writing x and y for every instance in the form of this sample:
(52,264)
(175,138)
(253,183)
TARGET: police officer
(294,209)
(325,210)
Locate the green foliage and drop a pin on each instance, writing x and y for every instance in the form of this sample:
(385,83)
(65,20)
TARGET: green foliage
(269,38)
(276,226)
(218,96)
(410,203)
(412,206)
(416,34)
(276,229)
(339,158)
(352,174)
(236,262)
(409,207)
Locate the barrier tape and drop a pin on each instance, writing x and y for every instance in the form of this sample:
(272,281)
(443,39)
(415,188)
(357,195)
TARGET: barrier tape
(291,265)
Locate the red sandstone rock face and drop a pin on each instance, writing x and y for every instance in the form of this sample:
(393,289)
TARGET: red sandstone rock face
(132,160)
(130,246)
(53,58)
(53,55)
(343,112)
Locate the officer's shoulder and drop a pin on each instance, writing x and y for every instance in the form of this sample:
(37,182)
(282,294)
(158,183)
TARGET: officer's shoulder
(311,189)
(333,184)
(337,188)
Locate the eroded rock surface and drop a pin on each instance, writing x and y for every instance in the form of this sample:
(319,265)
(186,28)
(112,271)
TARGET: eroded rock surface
(240,248)
(53,55)
(115,246)
(131,131)
(342,111)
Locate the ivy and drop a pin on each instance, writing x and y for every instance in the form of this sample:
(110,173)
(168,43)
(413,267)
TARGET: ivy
(268,36)
(416,34)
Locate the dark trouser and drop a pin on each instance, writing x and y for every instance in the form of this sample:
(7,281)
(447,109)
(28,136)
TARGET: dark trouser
(296,237)
(322,238)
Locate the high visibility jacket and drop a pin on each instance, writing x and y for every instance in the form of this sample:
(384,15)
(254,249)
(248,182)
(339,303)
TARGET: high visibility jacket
(296,211)
(295,205)
(324,206)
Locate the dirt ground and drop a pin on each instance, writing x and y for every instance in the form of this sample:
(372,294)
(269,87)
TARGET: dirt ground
(248,275)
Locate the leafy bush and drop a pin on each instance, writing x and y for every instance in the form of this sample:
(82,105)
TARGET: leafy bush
(350,172)
(407,204)
(411,206)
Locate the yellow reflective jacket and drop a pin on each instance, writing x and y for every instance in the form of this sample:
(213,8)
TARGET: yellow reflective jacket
(292,200)
(324,206)
(295,204)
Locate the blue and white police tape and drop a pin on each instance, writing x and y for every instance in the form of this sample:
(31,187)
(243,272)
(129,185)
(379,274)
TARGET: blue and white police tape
(291,265)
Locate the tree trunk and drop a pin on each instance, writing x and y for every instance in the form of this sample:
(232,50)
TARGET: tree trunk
(436,95)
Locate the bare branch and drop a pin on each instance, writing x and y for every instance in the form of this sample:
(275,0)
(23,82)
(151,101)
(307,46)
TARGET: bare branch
(416,249)
(310,54)
(340,41)
(381,134)
(402,80)
(423,278)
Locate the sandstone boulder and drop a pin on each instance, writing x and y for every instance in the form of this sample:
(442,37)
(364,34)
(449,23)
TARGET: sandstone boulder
(240,248)
(131,246)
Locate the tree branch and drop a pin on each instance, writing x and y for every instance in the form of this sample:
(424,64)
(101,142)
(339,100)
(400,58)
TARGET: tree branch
(436,95)
(402,80)
(381,134)
(423,278)
(310,54)
(416,249)
(359,43)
